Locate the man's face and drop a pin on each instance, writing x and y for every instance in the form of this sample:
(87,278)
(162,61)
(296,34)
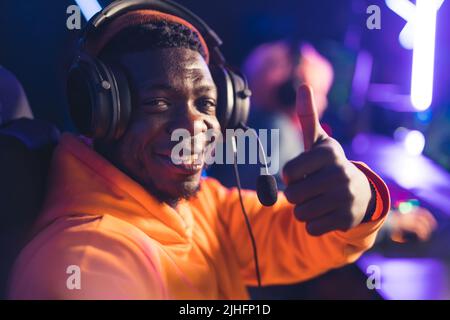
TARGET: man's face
(174,90)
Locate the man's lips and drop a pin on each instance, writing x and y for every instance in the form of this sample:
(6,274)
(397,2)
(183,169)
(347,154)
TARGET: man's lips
(186,165)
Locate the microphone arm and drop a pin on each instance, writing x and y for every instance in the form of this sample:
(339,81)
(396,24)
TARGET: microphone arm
(266,185)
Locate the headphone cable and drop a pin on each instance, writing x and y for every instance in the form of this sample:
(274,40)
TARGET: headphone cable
(244,212)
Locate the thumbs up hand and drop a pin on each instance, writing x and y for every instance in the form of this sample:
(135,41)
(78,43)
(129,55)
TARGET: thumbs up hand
(328,191)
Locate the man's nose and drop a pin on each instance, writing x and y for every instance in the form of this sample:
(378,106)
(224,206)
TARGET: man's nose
(191,120)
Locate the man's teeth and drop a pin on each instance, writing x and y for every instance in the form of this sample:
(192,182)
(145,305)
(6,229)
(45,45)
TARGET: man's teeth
(191,159)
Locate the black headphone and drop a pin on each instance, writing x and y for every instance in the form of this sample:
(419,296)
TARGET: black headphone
(99,94)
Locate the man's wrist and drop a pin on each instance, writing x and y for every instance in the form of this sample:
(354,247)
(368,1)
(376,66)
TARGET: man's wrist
(372,204)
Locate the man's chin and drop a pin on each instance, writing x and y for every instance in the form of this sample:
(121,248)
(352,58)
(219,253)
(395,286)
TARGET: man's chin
(189,189)
(178,190)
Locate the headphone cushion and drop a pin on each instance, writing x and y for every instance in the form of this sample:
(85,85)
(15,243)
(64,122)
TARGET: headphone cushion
(233,97)
(86,99)
(123,105)
(241,98)
(225,103)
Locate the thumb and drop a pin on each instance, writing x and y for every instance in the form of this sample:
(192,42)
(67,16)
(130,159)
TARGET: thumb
(307,115)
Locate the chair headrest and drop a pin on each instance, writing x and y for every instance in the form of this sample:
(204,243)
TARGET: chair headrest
(13,100)
(34,134)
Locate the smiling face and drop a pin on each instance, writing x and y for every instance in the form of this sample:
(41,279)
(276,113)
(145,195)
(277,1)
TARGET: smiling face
(173,89)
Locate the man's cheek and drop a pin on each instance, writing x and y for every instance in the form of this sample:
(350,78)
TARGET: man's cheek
(133,152)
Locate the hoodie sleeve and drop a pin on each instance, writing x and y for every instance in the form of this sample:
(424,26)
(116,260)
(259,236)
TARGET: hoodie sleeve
(84,262)
(286,252)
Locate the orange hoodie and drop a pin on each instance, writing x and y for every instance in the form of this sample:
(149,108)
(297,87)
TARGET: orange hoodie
(119,242)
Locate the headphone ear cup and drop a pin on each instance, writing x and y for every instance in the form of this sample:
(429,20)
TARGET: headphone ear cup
(86,103)
(225,96)
(99,99)
(123,105)
(242,96)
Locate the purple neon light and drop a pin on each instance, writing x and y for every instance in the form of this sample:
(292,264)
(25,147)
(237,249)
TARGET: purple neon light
(423,56)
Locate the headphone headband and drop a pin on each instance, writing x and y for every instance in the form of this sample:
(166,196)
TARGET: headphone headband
(137,18)
(120,7)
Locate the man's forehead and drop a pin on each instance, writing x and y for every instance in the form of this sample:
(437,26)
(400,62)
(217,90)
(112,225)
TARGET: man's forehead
(166,64)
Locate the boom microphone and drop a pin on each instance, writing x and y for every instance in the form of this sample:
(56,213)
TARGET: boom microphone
(267,190)
(266,184)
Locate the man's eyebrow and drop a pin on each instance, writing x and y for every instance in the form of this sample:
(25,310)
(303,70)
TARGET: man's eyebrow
(157,86)
(205,88)
(167,87)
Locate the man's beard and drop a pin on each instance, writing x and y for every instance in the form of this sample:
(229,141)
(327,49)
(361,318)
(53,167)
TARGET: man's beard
(162,196)
(149,186)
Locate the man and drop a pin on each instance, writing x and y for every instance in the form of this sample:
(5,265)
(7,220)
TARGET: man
(123,221)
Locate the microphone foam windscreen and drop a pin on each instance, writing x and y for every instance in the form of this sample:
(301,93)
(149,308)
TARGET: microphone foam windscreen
(267,190)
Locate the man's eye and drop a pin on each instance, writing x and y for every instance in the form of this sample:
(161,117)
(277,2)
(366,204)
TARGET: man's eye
(156,104)
(206,105)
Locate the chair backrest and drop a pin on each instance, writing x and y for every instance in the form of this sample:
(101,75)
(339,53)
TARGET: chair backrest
(26,147)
